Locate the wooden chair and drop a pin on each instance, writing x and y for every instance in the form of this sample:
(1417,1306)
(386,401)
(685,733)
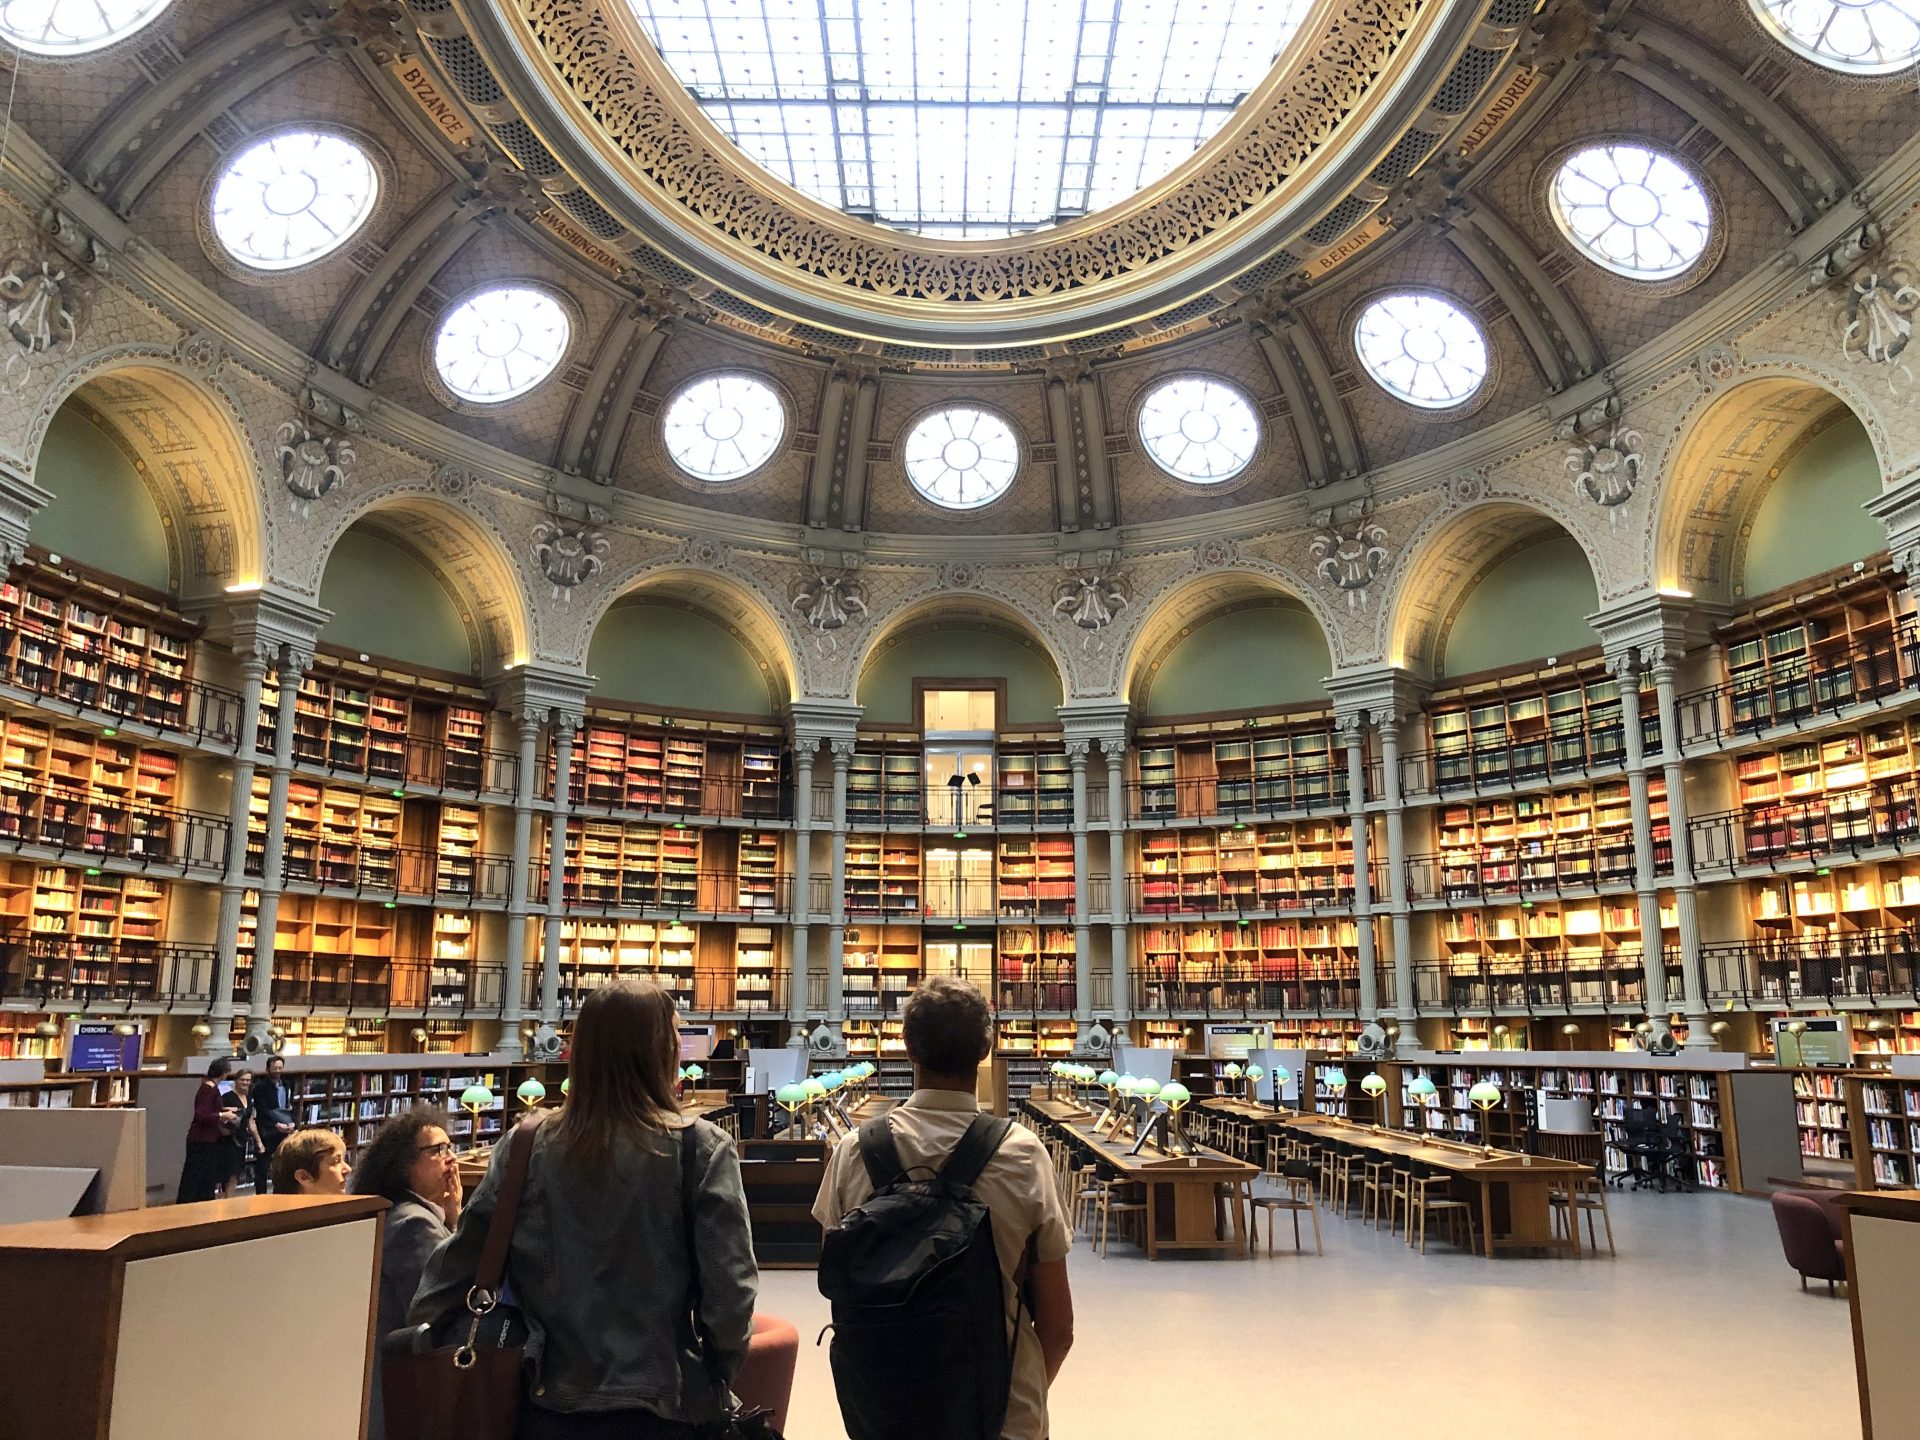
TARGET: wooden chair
(1376,1186)
(1584,1193)
(1110,1206)
(1432,1195)
(1297,1177)
(1087,1187)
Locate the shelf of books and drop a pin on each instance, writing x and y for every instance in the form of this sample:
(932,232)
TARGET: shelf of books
(882,875)
(882,963)
(1161,1034)
(881,1041)
(20,1037)
(1265,767)
(1538,727)
(1836,901)
(1035,784)
(1572,839)
(708,968)
(342,837)
(1810,799)
(884,783)
(85,931)
(654,765)
(332,953)
(1890,1127)
(1297,865)
(1820,651)
(1889,1032)
(1028,1047)
(388,729)
(1271,965)
(1034,876)
(1581,942)
(68,634)
(357,1102)
(1820,1115)
(1034,968)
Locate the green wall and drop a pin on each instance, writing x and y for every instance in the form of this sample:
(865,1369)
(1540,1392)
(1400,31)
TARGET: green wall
(92,479)
(1251,659)
(1810,519)
(663,655)
(1033,689)
(1531,605)
(385,602)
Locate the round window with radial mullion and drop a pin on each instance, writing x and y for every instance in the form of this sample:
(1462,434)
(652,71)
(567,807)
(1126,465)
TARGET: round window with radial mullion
(723,427)
(1423,349)
(1199,430)
(962,458)
(1854,37)
(498,344)
(1632,210)
(73,27)
(293,198)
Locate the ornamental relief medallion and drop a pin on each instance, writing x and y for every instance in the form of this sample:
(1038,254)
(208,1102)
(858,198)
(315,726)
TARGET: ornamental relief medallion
(1330,74)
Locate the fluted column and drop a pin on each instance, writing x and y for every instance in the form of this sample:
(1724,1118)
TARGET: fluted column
(1401,912)
(802,881)
(292,667)
(1353,733)
(520,882)
(233,878)
(1077,752)
(1626,669)
(564,725)
(1114,750)
(842,752)
(1686,897)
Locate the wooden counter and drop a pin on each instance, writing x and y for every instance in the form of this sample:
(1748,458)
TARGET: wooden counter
(106,1318)
(1882,1230)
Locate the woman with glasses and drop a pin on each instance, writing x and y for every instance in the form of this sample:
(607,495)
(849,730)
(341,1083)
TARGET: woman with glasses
(409,1161)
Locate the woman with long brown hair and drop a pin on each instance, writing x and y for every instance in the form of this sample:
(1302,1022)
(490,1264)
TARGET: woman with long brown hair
(631,1261)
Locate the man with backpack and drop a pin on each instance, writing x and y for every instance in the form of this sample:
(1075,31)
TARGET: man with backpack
(940,1221)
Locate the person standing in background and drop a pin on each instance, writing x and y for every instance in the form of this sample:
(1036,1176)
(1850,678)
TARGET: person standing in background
(272,1118)
(239,1141)
(200,1174)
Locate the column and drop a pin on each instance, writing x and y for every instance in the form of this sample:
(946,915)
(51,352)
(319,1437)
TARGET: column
(842,752)
(1114,749)
(233,879)
(290,670)
(1077,752)
(1404,1008)
(1685,887)
(1626,669)
(520,883)
(564,725)
(803,751)
(1353,730)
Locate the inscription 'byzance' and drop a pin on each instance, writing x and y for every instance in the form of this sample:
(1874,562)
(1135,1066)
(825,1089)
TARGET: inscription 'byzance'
(1336,68)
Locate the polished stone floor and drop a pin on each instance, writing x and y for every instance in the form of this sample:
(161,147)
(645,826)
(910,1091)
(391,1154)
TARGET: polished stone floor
(1698,1329)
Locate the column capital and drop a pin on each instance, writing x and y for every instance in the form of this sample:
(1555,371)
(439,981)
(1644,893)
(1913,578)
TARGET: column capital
(815,722)
(281,628)
(1653,626)
(1077,752)
(20,500)
(1095,719)
(841,748)
(1113,747)
(1352,725)
(1384,693)
(542,693)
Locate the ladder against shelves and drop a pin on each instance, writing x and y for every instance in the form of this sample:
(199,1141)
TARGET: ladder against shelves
(1267,767)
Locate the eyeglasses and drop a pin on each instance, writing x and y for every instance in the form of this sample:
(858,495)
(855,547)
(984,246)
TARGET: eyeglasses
(438,1152)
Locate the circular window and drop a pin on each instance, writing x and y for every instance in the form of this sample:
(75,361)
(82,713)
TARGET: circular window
(73,27)
(500,343)
(1421,348)
(962,458)
(1199,430)
(1860,37)
(1633,210)
(292,198)
(723,427)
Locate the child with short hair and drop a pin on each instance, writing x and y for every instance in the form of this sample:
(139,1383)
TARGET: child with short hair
(311,1162)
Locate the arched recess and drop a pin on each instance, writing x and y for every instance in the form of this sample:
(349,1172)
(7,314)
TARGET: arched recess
(1227,641)
(189,450)
(460,555)
(658,649)
(1723,465)
(976,638)
(743,615)
(1499,566)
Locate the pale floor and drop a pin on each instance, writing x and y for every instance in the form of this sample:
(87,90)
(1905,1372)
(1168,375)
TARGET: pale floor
(1698,1329)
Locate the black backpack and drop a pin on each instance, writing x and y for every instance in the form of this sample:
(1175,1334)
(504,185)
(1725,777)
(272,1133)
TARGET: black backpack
(920,1349)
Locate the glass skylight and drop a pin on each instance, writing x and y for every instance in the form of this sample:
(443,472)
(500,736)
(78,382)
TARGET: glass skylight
(1199,430)
(723,427)
(1862,37)
(500,343)
(1633,210)
(962,458)
(970,118)
(1421,348)
(292,198)
(73,27)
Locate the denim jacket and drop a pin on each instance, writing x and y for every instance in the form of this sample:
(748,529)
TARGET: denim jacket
(599,1268)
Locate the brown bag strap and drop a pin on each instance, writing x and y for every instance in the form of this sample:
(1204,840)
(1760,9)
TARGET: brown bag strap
(493,1256)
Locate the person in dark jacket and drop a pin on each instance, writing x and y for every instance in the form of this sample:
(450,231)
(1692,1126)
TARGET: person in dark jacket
(410,1161)
(631,1258)
(272,1117)
(200,1174)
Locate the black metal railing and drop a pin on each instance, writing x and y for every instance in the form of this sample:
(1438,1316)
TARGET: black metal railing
(406,760)
(95,823)
(77,677)
(375,984)
(695,992)
(956,807)
(1534,868)
(370,868)
(1232,987)
(1216,895)
(1304,793)
(1544,981)
(72,970)
(1462,768)
(956,899)
(1798,689)
(1876,964)
(677,892)
(704,798)
(1817,828)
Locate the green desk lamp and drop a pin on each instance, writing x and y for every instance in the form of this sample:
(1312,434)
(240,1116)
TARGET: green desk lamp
(473,1100)
(694,1076)
(531,1093)
(1335,1080)
(1484,1096)
(1255,1074)
(1374,1085)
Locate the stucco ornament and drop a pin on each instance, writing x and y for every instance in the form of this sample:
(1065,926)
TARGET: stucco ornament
(570,552)
(1879,322)
(1350,555)
(1607,471)
(312,462)
(1090,601)
(42,310)
(829,601)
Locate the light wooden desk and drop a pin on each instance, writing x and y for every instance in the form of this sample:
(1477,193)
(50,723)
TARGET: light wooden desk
(1515,1210)
(1183,1191)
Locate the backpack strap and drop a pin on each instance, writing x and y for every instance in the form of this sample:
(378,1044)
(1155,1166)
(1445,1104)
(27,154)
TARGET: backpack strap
(879,1154)
(506,1210)
(983,1139)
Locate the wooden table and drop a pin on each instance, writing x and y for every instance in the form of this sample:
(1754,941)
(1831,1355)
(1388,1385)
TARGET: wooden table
(1515,1211)
(1189,1206)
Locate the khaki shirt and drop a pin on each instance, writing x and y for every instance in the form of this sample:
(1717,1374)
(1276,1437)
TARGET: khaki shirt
(1017,1187)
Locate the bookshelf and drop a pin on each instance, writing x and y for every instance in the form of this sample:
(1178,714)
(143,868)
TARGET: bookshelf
(1300,865)
(20,1038)
(882,875)
(333,953)
(1035,785)
(660,765)
(1534,728)
(883,962)
(1578,838)
(611,865)
(1027,1047)
(1889,1131)
(87,931)
(1820,1114)
(1822,652)
(356,1102)
(596,952)
(1581,941)
(71,789)
(1035,876)
(1162,1034)
(1254,767)
(1834,903)
(1829,793)
(1034,967)
(385,728)
(884,782)
(1269,965)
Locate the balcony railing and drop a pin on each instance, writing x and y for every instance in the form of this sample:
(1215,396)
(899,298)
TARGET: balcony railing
(679,892)
(1463,768)
(382,870)
(1820,827)
(715,798)
(96,824)
(1879,964)
(695,992)
(1236,988)
(1310,793)
(204,712)
(1211,895)
(67,970)
(1554,981)
(1797,690)
(956,807)
(982,899)
(375,985)
(414,760)
(1530,870)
